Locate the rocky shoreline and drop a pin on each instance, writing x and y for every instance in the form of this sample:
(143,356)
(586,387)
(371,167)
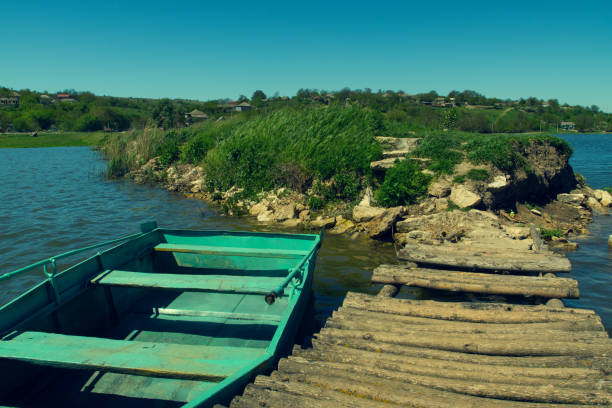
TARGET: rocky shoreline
(453,212)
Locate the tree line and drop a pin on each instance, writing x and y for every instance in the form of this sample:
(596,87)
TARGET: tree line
(70,110)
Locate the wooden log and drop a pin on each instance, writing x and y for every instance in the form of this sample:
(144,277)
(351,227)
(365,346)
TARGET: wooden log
(303,393)
(257,396)
(389,291)
(484,260)
(467,311)
(348,313)
(392,391)
(478,345)
(545,394)
(595,362)
(570,376)
(477,282)
(470,329)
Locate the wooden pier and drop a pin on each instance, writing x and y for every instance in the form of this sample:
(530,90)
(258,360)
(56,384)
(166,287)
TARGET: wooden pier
(380,351)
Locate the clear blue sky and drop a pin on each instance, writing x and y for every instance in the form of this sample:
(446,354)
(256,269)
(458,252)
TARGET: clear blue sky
(209,50)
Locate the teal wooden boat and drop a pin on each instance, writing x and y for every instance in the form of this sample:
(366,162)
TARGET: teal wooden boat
(165,318)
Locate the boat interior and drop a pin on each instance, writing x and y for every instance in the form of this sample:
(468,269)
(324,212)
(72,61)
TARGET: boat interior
(157,321)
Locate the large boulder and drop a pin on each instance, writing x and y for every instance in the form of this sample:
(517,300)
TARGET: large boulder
(323,222)
(342,225)
(381,225)
(439,189)
(463,197)
(259,208)
(499,182)
(366,213)
(604,197)
(572,199)
(284,212)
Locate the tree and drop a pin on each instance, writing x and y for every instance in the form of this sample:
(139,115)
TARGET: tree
(258,97)
(164,114)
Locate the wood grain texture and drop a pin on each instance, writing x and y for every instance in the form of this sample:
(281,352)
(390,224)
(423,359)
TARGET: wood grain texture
(218,283)
(484,259)
(129,357)
(493,284)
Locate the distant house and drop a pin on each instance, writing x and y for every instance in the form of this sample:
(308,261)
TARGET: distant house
(567,125)
(244,106)
(195,116)
(11,100)
(45,99)
(62,96)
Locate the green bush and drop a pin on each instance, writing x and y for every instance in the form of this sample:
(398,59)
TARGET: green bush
(459,179)
(478,174)
(168,150)
(608,189)
(88,123)
(548,234)
(315,203)
(403,184)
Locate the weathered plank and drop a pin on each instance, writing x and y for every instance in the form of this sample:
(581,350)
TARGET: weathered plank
(471,329)
(482,372)
(493,284)
(468,311)
(232,251)
(402,351)
(369,387)
(484,259)
(218,283)
(490,345)
(271,319)
(554,392)
(130,357)
(298,395)
(359,316)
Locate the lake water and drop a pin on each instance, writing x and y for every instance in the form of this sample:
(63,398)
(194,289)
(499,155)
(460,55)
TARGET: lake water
(55,199)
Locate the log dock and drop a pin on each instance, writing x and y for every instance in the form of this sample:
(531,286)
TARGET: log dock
(382,351)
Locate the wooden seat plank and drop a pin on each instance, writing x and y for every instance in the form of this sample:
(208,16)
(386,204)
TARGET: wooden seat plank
(232,251)
(129,357)
(219,283)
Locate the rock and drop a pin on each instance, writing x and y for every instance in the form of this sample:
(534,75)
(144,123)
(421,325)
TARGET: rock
(463,197)
(441,204)
(440,189)
(293,222)
(381,225)
(536,212)
(572,199)
(606,199)
(610,241)
(299,207)
(593,204)
(304,215)
(266,216)
(259,208)
(284,212)
(517,232)
(367,199)
(365,213)
(321,222)
(342,225)
(196,185)
(498,183)
(413,223)
(428,172)
(555,303)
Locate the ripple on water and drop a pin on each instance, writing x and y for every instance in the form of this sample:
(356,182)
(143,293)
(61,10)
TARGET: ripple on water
(58,201)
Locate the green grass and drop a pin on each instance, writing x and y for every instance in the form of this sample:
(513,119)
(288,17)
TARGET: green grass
(56,139)
(478,174)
